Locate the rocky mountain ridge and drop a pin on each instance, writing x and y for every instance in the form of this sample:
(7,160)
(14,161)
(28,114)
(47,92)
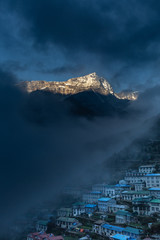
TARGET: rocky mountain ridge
(90,82)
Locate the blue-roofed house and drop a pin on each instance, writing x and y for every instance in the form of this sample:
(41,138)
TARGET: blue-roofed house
(90,208)
(155,192)
(124,217)
(104,202)
(92,197)
(121,237)
(152,180)
(109,230)
(133,232)
(65,222)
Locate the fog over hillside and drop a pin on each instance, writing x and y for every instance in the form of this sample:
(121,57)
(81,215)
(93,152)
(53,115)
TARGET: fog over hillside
(44,146)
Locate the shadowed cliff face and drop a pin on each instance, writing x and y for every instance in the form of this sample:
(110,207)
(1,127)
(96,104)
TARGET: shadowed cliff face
(91,82)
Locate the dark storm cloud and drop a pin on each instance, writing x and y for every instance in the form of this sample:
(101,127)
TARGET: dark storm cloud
(62,69)
(118,39)
(13,66)
(120,30)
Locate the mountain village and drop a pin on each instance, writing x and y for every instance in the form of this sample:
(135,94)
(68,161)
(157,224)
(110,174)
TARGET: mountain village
(127,210)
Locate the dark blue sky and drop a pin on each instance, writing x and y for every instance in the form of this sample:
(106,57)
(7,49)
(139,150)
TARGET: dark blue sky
(60,39)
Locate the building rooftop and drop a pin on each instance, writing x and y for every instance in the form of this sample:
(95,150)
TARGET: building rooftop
(43,222)
(155,201)
(122,237)
(143,199)
(149,165)
(90,205)
(65,209)
(110,186)
(78,204)
(104,199)
(135,192)
(111,227)
(66,219)
(154,189)
(95,192)
(153,175)
(122,185)
(133,230)
(123,213)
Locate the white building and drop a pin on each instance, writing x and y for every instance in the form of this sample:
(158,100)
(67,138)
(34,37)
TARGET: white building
(147,169)
(99,188)
(64,212)
(155,192)
(140,185)
(155,206)
(78,208)
(134,176)
(152,180)
(123,217)
(92,197)
(104,203)
(116,207)
(69,223)
(41,226)
(110,191)
(141,206)
(131,195)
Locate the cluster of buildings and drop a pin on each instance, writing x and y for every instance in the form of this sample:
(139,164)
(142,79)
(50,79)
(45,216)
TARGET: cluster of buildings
(138,194)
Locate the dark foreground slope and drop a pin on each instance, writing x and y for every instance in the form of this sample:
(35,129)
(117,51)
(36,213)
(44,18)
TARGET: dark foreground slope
(44,107)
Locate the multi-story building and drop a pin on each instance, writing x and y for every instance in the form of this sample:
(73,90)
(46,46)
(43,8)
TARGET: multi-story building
(147,168)
(141,206)
(41,226)
(108,230)
(111,190)
(96,228)
(92,197)
(152,180)
(90,208)
(123,217)
(78,208)
(116,207)
(155,192)
(99,188)
(64,212)
(133,232)
(104,202)
(155,206)
(69,223)
(131,195)
(134,176)
(140,185)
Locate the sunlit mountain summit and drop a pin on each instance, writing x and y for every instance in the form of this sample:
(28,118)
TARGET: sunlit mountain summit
(90,82)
